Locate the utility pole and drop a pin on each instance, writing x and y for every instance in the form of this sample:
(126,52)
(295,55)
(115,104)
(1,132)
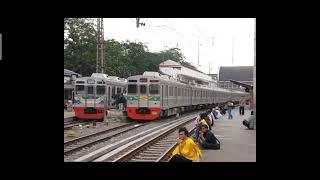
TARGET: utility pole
(198,54)
(164,48)
(232,49)
(100,67)
(138,23)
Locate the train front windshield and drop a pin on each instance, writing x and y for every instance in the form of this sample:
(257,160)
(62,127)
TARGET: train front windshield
(80,89)
(132,89)
(101,90)
(154,88)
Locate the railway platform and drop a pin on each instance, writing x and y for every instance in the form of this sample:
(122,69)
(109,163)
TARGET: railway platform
(68,115)
(238,144)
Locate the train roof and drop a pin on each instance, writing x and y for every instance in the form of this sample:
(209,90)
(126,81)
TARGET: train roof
(156,75)
(104,78)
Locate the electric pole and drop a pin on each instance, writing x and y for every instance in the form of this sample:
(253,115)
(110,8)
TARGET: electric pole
(198,54)
(100,67)
(138,23)
(232,49)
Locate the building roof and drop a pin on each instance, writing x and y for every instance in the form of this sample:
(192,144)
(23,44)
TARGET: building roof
(173,69)
(69,73)
(237,73)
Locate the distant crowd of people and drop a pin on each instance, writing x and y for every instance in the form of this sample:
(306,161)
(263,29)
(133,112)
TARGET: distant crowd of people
(188,148)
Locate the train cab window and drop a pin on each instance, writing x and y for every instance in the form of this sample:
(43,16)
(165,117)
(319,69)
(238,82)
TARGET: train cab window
(79,89)
(132,89)
(170,91)
(118,90)
(101,90)
(90,90)
(143,89)
(113,91)
(154,88)
(166,91)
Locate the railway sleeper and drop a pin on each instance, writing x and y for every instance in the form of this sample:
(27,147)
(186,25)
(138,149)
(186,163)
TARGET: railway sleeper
(149,154)
(147,157)
(141,160)
(152,152)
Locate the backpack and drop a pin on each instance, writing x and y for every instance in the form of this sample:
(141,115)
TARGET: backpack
(217,144)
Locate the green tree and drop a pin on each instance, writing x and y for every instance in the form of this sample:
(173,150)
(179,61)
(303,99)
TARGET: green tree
(122,59)
(79,45)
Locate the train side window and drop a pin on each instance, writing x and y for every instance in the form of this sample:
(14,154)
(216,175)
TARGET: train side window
(166,91)
(90,90)
(175,91)
(170,91)
(154,88)
(132,89)
(101,90)
(118,90)
(79,89)
(179,91)
(143,89)
(113,91)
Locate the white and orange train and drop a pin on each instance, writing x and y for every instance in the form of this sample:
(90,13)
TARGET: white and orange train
(94,95)
(151,96)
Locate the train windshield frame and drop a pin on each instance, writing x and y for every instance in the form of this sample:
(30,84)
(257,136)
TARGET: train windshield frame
(154,88)
(90,90)
(80,89)
(100,90)
(143,89)
(132,88)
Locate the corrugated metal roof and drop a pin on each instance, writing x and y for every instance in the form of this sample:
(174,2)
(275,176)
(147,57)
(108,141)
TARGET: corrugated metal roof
(68,73)
(237,73)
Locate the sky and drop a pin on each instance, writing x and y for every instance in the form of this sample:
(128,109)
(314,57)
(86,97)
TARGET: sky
(215,37)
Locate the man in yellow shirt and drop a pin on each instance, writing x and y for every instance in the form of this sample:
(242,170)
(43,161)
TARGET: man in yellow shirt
(186,150)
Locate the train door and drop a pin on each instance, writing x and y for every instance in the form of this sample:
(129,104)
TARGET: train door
(162,95)
(90,95)
(166,95)
(143,102)
(175,95)
(72,97)
(109,96)
(113,93)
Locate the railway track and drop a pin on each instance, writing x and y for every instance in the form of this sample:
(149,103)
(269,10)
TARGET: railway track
(128,149)
(157,149)
(70,124)
(93,138)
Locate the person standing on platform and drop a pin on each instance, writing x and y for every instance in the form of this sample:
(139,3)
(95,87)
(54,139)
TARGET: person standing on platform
(242,105)
(186,150)
(211,117)
(230,106)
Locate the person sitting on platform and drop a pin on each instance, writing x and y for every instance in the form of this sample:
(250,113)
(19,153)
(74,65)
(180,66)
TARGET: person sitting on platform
(249,123)
(186,150)
(207,139)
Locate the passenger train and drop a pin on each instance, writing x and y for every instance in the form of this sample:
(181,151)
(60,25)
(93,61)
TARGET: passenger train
(94,95)
(151,96)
